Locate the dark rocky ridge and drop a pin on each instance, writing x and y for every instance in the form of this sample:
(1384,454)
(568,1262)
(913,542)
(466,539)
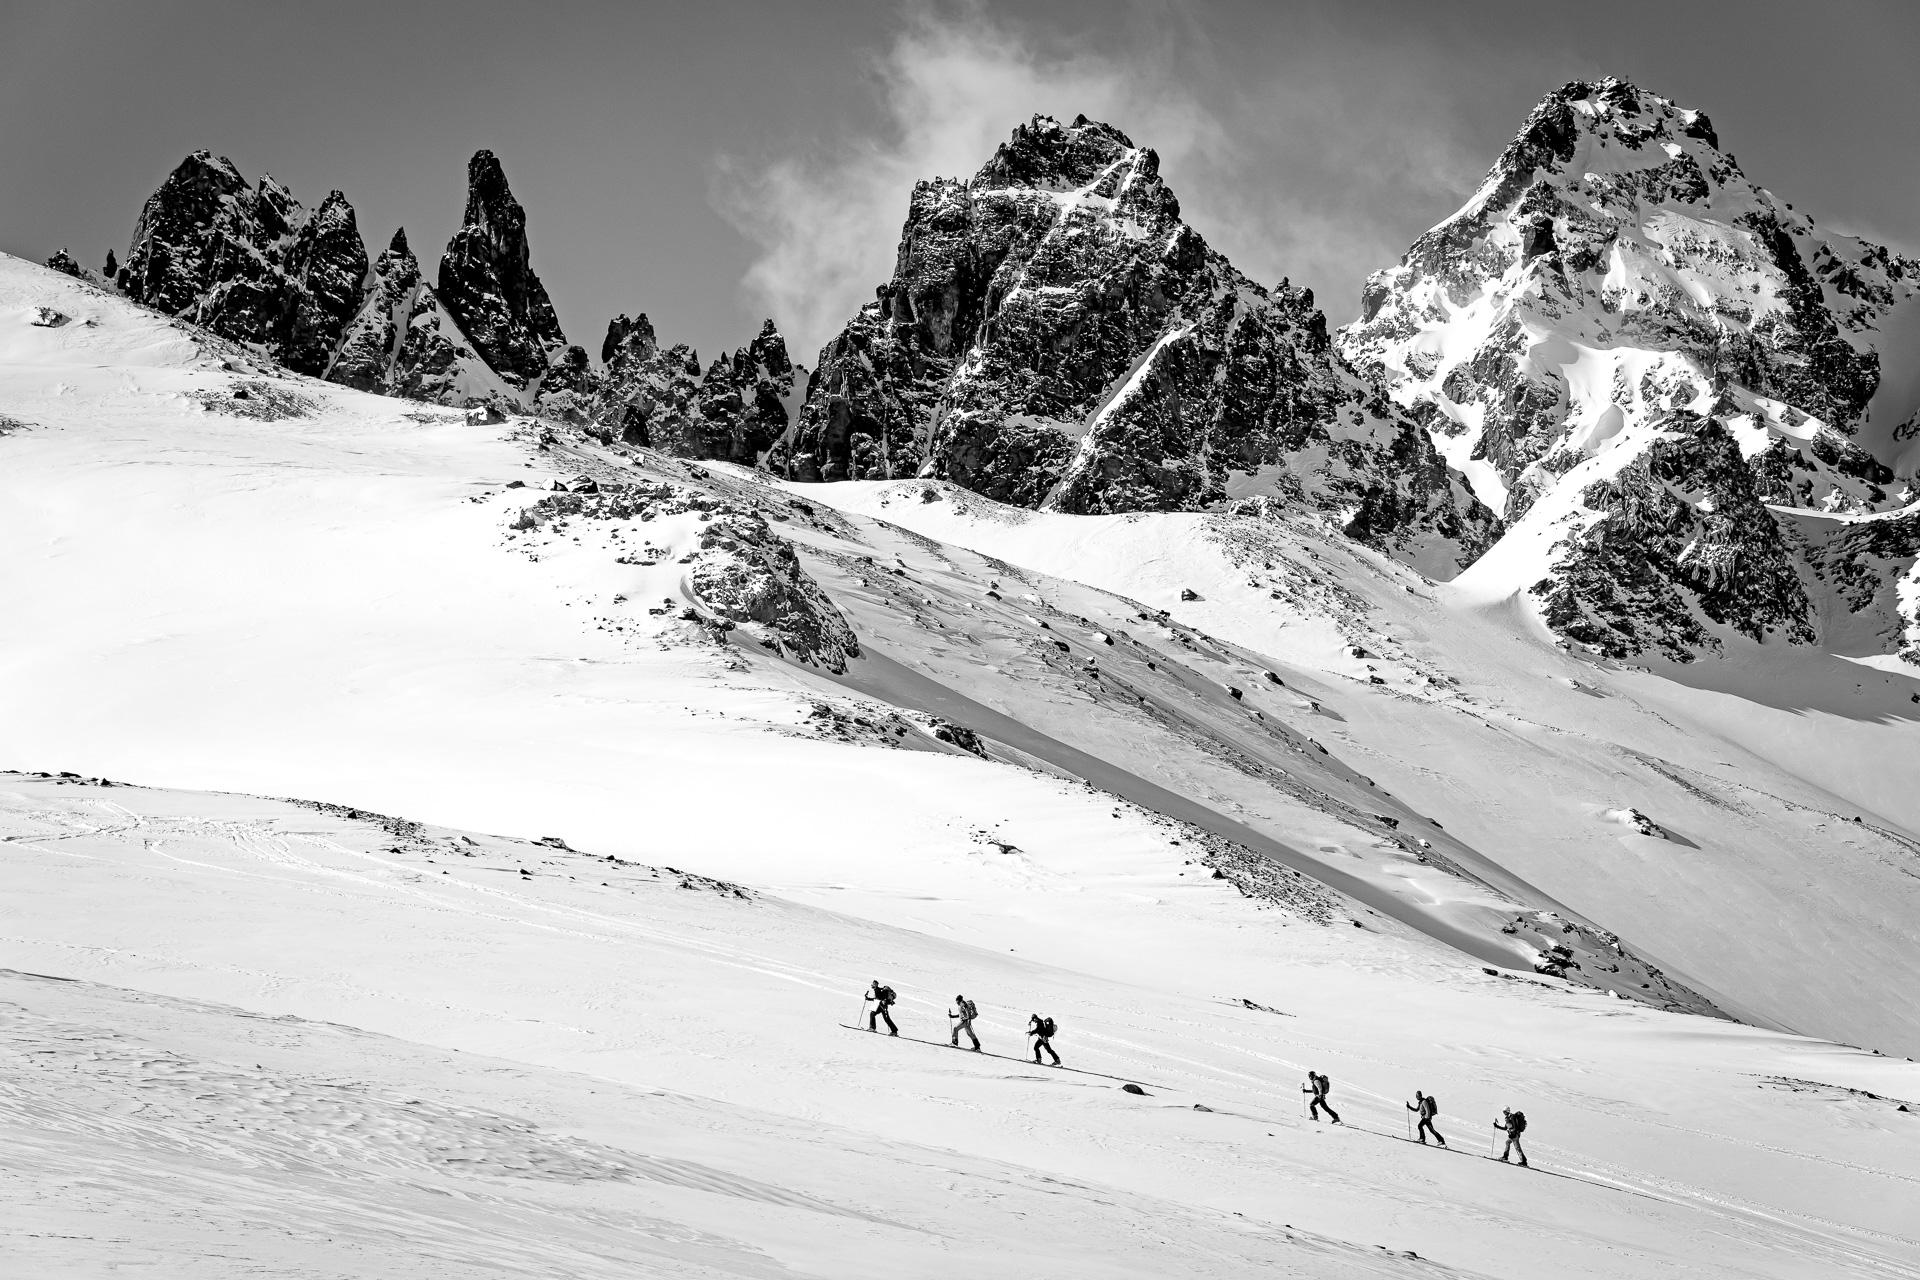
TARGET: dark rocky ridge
(249,263)
(1054,335)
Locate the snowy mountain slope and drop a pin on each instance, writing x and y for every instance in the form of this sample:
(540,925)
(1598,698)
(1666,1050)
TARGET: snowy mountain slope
(392,625)
(411,574)
(350,1014)
(406,572)
(1532,759)
(1628,345)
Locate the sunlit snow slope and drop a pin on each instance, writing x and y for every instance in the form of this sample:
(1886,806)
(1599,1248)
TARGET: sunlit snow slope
(1135,772)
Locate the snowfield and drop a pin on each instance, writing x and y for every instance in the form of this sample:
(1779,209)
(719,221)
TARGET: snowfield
(1246,799)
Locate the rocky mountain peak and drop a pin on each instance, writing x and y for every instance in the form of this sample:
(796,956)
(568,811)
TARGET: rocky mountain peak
(1047,155)
(1620,325)
(1054,335)
(487,281)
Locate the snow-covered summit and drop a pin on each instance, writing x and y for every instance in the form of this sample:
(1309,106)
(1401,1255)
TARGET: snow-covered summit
(1621,324)
(1055,335)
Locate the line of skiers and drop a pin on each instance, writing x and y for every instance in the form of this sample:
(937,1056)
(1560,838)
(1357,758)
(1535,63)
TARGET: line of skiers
(1426,1107)
(1041,1030)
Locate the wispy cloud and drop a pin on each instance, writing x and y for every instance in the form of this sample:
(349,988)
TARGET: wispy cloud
(1306,173)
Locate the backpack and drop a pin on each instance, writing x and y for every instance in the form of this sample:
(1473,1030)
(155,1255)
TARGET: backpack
(1045,1029)
(884,996)
(1432,1107)
(1323,1086)
(969,1010)
(1517,1123)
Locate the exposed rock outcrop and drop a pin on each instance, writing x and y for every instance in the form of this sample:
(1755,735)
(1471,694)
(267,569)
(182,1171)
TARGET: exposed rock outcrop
(1632,351)
(743,572)
(63,262)
(1055,335)
(248,262)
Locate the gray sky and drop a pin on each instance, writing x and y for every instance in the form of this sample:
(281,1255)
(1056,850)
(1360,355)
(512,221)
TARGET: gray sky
(715,162)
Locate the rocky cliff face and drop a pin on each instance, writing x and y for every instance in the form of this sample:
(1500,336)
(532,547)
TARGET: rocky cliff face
(660,397)
(248,262)
(1055,335)
(488,285)
(1635,353)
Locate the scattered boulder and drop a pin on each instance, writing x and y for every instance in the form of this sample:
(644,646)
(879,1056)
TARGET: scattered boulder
(1637,822)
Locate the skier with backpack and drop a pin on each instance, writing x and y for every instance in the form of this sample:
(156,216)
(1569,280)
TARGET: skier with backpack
(968,1012)
(883,998)
(1426,1106)
(1513,1123)
(1042,1029)
(1319,1086)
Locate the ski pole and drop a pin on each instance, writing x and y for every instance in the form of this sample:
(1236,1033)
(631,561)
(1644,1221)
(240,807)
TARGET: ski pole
(860,1016)
(1409,1126)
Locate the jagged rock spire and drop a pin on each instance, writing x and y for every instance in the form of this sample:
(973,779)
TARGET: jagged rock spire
(487,281)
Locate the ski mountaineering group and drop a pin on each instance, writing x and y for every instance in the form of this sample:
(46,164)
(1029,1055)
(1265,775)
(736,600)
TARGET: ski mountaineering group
(1041,1029)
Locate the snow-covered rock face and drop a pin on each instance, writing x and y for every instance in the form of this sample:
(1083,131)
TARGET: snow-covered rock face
(248,262)
(488,285)
(402,343)
(1055,335)
(659,397)
(1623,338)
